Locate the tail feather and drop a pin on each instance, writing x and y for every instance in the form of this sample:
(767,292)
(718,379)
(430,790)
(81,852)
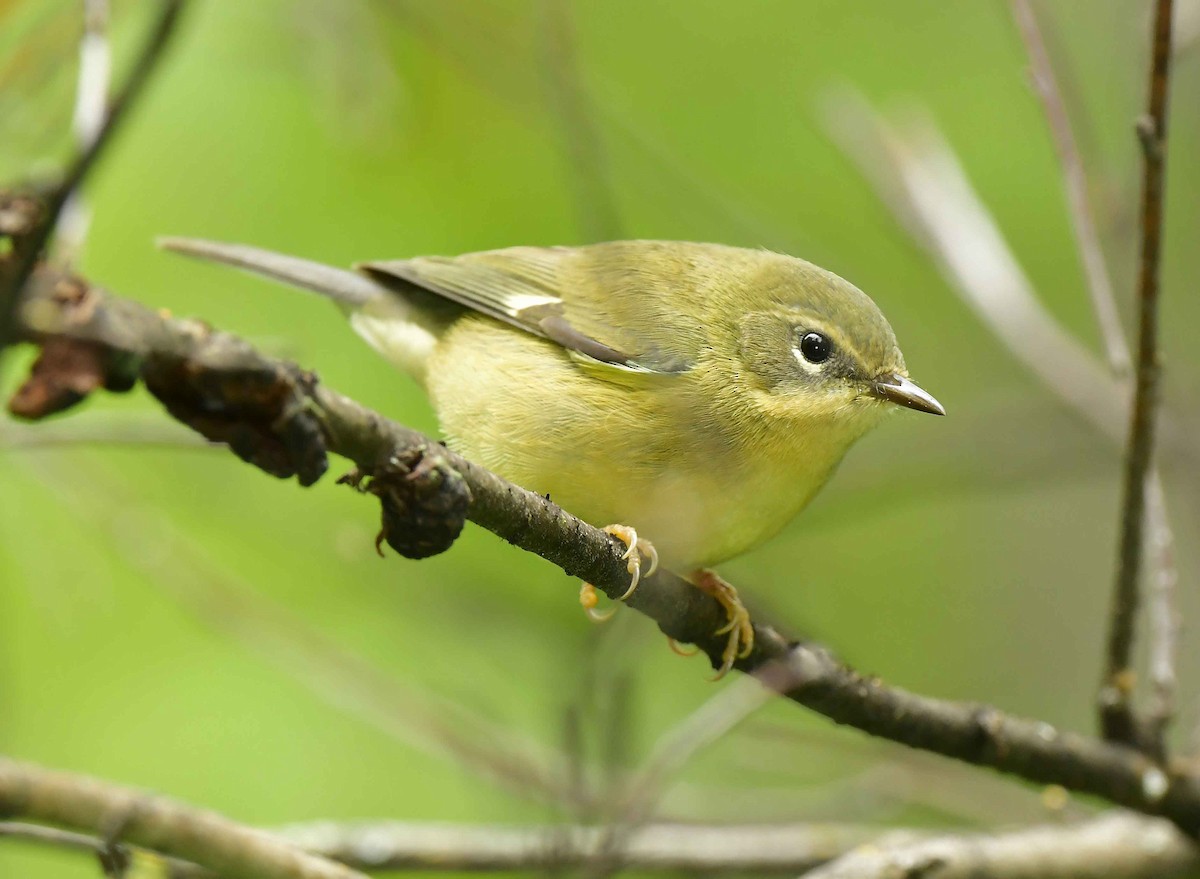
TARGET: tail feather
(399,328)
(341,285)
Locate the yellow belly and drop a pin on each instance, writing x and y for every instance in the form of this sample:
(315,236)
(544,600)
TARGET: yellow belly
(660,457)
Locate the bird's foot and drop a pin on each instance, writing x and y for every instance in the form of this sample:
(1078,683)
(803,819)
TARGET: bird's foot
(738,627)
(635,549)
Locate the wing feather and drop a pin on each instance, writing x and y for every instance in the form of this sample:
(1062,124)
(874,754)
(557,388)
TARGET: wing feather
(627,307)
(522,286)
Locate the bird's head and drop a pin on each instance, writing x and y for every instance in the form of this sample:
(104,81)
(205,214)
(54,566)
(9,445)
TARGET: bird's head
(820,350)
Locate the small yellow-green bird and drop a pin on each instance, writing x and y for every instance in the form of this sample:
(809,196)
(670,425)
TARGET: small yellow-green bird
(697,394)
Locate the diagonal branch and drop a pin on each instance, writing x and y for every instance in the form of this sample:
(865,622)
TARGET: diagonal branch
(27,220)
(1087,240)
(281,419)
(1116,712)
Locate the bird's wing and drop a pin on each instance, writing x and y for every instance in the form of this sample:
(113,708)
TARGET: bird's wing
(623,305)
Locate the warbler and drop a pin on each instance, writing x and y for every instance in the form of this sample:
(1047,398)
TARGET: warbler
(697,395)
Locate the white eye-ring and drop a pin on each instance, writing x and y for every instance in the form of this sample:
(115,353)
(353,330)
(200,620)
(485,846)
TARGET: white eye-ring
(813,350)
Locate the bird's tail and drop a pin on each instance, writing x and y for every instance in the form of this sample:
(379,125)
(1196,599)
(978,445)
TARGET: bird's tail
(349,289)
(388,318)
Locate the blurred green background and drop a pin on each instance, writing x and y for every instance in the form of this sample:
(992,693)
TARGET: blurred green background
(173,619)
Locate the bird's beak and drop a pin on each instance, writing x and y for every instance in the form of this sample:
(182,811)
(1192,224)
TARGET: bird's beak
(898,389)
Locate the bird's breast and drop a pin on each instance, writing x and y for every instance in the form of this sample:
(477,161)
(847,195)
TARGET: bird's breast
(659,458)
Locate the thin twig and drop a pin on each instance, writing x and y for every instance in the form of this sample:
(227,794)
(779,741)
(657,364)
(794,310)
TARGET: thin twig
(87,804)
(285,421)
(1163,576)
(15,272)
(1116,712)
(91,107)
(1087,241)
(1164,614)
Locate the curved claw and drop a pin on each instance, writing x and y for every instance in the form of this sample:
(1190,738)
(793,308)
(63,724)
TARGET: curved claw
(588,599)
(648,548)
(634,549)
(600,616)
(681,651)
(635,576)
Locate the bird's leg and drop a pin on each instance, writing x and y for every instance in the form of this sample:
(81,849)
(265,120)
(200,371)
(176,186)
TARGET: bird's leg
(738,627)
(635,549)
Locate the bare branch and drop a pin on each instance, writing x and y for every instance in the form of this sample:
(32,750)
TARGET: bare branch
(708,848)
(30,226)
(1114,845)
(282,420)
(174,829)
(1087,241)
(1116,712)
(1109,847)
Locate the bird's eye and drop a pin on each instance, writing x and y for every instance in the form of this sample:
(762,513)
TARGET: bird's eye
(815,348)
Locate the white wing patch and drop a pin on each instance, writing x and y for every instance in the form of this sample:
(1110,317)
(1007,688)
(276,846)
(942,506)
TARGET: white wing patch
(520,301)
